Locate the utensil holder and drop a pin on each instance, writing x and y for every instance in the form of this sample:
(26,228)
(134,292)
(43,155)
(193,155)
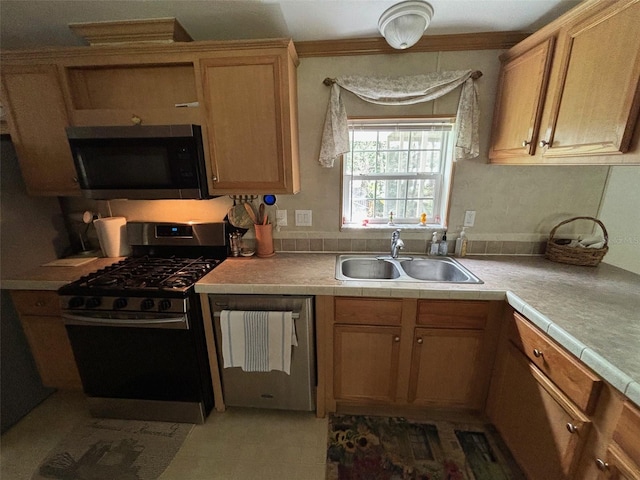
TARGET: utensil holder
(264,240)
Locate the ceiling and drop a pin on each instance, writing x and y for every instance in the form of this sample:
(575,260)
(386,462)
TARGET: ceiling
(37,23)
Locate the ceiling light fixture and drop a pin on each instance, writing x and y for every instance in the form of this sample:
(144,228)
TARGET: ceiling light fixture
(403,24)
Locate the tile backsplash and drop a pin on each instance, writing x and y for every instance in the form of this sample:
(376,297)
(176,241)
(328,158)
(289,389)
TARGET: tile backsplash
(342,245)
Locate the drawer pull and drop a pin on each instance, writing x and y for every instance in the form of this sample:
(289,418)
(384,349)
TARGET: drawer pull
(396,338)
(39,303)
(572,428)
(420,340)
(602,465)
(537,353)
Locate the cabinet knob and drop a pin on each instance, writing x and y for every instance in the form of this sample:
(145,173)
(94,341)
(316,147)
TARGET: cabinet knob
(537,353)
(39,303)
(602,465)
(136,120)
(214,178)
(544,143)
(572,428)
(74,179)
(396,338)
(526,143)
(420,340)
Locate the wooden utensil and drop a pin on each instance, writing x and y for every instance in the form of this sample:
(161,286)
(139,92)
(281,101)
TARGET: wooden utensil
(261,216)
(250,211)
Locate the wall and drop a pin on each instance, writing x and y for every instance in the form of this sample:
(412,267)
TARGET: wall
(620,213)
(516,205)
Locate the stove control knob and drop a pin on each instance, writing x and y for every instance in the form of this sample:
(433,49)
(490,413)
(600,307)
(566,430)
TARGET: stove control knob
(147,304)
(76,302)
(164,305)
(93,302)
(119,303)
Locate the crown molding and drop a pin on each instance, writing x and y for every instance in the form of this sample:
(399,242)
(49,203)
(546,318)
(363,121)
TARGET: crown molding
(428,43)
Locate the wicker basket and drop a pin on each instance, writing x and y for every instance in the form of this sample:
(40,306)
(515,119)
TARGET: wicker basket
(589,257)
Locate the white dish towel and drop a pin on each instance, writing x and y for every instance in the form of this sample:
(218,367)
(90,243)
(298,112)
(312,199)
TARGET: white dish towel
(257,341)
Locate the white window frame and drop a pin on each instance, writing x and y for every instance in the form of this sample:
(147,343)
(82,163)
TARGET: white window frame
(442,186)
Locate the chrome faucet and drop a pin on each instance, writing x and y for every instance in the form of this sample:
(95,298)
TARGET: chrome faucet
(396,243)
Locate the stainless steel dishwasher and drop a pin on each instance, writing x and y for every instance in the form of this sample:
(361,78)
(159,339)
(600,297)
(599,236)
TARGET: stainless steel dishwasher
(273,389)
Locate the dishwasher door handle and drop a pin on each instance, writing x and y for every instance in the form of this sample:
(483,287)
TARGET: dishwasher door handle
(294,315)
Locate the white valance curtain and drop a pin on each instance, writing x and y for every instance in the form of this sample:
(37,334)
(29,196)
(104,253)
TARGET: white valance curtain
(406,90)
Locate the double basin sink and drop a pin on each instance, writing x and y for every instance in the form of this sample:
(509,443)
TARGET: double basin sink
(412,268)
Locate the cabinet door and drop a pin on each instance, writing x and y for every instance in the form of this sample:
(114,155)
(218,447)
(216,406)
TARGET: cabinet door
(51,351)
(365,362)
(596,104)
(247,102)
(618,466)
(443,367)
(544,430)
(521,92)
(37,125)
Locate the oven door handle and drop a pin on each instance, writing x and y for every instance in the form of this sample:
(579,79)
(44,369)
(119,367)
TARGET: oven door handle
(180,322)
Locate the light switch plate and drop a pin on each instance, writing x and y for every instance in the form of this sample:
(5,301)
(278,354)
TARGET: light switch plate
(469,218)
(303,218)
(281,218)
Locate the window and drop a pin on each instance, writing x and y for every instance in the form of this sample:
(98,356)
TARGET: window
(400,167)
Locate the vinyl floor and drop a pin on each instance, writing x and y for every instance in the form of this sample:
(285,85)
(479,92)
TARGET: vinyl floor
(240,444)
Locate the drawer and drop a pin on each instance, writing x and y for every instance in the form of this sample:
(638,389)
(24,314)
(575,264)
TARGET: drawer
(627,432)
(368,311)
(453,314)
(579,383)
(36,302)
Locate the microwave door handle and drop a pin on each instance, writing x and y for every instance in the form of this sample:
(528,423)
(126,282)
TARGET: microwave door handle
(169,322)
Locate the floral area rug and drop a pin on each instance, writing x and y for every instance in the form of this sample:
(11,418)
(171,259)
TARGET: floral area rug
(101,449)
(393,448)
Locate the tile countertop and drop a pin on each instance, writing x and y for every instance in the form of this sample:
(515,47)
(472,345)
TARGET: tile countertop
(52,278)
(593,312)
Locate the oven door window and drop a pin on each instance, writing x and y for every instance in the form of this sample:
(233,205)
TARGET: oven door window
(137,363)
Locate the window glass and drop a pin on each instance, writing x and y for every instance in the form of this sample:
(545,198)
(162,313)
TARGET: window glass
(397,167)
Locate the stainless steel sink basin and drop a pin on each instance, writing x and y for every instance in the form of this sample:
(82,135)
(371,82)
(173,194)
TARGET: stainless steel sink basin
(369,269)
(402,269)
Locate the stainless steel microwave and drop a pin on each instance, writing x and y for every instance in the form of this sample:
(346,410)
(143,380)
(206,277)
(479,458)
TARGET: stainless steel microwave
(140,161)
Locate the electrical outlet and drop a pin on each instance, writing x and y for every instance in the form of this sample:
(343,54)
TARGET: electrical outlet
(281,218)
(303,218)
(469,218)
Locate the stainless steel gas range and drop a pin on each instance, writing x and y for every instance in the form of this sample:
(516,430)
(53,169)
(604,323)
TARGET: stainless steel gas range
(136,327)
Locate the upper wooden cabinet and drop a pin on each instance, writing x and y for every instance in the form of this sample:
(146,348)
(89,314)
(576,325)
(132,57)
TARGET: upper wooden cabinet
(521,89)
(242,93)
(587,113)
(251,110)
(37,121)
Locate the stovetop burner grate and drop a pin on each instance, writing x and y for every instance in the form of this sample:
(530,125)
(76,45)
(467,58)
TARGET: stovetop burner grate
(144,275)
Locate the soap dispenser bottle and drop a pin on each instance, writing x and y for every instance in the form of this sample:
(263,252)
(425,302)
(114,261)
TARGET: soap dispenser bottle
(434,244)
(443,248)
(461,244)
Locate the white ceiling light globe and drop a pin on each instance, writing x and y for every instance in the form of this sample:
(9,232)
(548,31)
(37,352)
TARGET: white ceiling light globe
(403,24)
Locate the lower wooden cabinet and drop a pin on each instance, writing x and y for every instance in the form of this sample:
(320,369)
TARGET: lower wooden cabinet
(44,328)
(366,361)
(444,367)
(622,460)
(543,429)
(409,352)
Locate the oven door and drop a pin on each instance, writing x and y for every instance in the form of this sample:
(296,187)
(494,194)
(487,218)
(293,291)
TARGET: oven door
(132,367)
